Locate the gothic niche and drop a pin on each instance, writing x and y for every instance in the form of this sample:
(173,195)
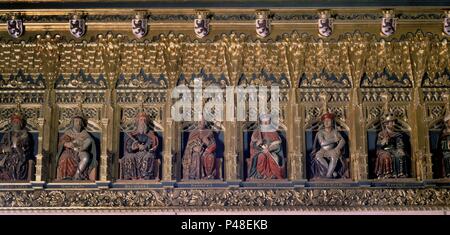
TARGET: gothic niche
(19,125)
(439,136)
(388,136)
(327,149)
(444,148)
(141,97)
(264,151)
(79,98)
(202,151)
(436,88)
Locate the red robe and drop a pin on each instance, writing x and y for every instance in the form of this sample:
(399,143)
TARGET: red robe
(266,165)
(200,164)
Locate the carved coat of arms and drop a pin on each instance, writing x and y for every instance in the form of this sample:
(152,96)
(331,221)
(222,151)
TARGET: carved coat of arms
(139,26)
(262,25)
(201,25)
(15,27)
(388,24)
(447,25)
(77,27)
(325,24)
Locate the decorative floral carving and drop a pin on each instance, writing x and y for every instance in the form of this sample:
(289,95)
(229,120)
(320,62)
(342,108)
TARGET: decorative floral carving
(226,199)
(206,79)
(22,81)
(385,79)
(440,80)
(81,81)
(142,80)
(434,112)
(324,79)
(264,79)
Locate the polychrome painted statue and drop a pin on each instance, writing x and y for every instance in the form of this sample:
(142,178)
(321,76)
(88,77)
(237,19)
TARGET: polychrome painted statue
(77,152)
(391,152)
(15,151)
(139,162)
(327,155)
(444,144)
(266,152)
(199,160)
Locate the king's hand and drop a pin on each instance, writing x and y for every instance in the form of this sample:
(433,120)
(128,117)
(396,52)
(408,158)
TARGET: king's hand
(384,140)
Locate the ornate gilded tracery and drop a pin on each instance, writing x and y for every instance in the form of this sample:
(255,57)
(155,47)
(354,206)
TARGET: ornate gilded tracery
(111,77)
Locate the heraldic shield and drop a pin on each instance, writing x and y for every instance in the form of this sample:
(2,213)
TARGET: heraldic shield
(139,27)
(325,27)
(201,27)
(447,26)
(15,28)
(77,27)
(262,27)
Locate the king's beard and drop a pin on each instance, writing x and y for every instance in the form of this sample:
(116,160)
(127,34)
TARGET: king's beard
(142,128)
(16,127)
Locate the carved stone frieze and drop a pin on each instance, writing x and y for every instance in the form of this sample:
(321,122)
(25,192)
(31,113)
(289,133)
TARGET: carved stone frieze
(228,199)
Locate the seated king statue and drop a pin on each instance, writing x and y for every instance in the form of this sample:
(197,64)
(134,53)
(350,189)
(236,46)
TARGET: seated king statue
(266,152)
(77,152)
(199,156)
(444,144)
(15,151)
(139,162)
(327,160)
(391,152)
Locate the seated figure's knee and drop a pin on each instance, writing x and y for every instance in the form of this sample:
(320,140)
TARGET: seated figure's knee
(84,156)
